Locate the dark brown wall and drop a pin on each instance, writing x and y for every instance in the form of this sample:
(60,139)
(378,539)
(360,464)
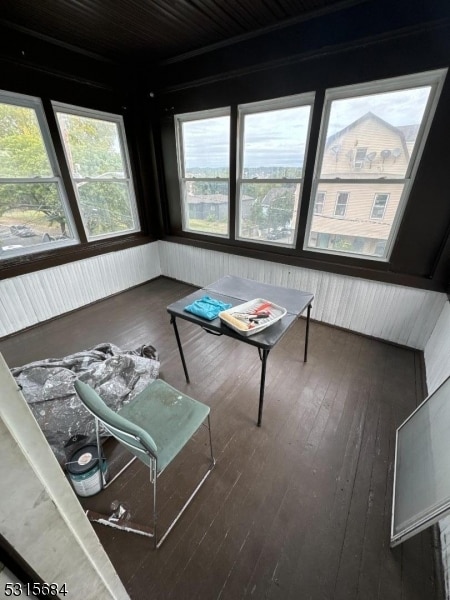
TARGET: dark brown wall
(39,68)
(369,41)
(349,48)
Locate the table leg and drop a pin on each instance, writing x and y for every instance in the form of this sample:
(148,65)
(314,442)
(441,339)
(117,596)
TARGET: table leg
(263,356)
(173,321)
(307,332)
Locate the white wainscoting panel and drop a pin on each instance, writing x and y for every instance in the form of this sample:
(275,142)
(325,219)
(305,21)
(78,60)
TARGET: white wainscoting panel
(36,297)
(393,313)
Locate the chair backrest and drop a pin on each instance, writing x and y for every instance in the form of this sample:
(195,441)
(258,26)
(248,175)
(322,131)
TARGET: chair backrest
(139,441)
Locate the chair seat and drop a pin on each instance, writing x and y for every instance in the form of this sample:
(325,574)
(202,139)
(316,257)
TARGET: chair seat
(169,416)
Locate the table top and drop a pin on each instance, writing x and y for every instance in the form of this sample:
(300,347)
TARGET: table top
(294,301)
(236,290)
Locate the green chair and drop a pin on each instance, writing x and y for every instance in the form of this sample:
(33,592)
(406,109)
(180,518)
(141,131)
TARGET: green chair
(154,426)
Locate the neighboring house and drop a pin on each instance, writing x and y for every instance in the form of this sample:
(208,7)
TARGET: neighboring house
(353,217)
(214,206)
(208,206)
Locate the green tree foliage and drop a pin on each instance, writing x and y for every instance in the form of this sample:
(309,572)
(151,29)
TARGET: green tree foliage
(105,207)
(93,146)
(208,188)
(93,150)
(273,205)
(281,209)
(23,154)
(258,215)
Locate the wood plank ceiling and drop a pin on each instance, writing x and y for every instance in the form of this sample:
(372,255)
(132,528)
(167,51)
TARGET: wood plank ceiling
(154,30)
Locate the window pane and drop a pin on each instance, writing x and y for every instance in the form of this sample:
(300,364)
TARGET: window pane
(379,206)
(341,204)
(353,229)
(96,152)
(373,136)
(31,214)
(275,142)
(206,207)
(22,149)
(206,147)
(93,146)
(268,211)
(318,205)
(105,207)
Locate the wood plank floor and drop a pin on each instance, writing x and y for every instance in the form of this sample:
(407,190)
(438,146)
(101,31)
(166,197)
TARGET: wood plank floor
(298,509)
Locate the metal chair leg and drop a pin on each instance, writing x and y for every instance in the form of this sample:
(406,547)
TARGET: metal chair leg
(188,501)
(143,529)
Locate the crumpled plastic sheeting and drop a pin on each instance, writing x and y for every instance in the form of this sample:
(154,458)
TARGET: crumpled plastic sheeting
(47,385)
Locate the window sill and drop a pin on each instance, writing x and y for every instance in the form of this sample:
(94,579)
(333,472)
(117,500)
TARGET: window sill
(342,265)
(37,261)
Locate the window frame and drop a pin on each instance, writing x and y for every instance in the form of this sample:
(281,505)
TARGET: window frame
(35,103)
(297,100)
(118,120)
(182,179)
(358,163)
(384,207)
(435,80)
(321,204)
(338,195)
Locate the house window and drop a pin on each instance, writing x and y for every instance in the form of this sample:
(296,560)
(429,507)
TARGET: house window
(272,143)
(318,204)
(375,148)
(34,214)
(379,206)
(341,204)
(203,148)
(96,153)
(360,157)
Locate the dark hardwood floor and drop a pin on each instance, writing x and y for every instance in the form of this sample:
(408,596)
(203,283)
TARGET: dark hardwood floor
(298,509)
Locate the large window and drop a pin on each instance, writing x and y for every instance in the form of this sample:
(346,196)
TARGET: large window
(33,210)
(371,140)
(365,158)
(35,214)
(95,150)
(203,144)
(273,140)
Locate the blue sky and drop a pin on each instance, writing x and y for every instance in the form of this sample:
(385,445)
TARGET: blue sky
(397,108)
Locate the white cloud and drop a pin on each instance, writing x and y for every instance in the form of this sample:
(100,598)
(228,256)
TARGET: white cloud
(403,107)
(278,138)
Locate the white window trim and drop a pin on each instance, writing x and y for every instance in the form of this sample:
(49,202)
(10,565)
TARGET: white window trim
(127,179)
(182,179)
(335,215)
(297,100)
(359,163)
(35,104)
(384,208)
(435,79)
(324,194)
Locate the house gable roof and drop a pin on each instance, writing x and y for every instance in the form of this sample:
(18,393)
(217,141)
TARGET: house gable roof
(331,140)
